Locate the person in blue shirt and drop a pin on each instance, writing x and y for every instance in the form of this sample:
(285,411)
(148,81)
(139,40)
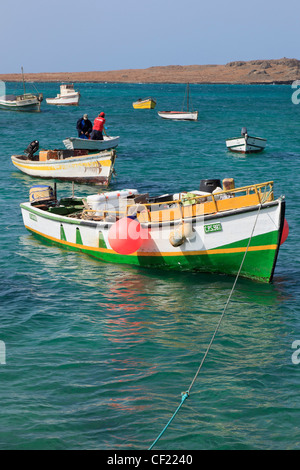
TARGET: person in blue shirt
(84,127)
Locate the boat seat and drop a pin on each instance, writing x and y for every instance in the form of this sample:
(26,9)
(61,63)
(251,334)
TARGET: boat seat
(163,198)
(60,210)
(142,198)
(43,207)
(21,157)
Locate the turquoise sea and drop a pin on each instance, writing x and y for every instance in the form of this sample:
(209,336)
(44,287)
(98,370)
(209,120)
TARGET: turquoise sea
(97,355)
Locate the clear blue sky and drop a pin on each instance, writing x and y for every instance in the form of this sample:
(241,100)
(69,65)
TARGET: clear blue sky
(88,35)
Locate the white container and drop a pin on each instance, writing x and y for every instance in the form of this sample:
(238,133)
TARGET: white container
(113,200)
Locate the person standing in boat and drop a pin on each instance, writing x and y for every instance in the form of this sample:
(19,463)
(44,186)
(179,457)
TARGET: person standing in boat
(84,127)
(98,128)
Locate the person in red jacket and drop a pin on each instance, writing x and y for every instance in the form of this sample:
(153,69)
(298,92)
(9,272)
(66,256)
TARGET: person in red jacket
(98,128)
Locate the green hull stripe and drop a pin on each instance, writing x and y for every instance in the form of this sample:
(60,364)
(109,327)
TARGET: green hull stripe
(78,237)
(257,265)
(269,238)
(102,243)
(62,233)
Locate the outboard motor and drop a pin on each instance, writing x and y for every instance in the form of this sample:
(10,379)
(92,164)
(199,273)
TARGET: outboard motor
(32,148)
(244,131)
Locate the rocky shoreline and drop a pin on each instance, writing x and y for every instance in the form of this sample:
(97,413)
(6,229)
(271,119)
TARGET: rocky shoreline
(281,71)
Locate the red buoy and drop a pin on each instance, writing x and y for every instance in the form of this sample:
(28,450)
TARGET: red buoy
(285,232)
(126,236)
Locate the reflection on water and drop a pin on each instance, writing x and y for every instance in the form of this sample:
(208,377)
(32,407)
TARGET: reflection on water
(134,288)
(147,307)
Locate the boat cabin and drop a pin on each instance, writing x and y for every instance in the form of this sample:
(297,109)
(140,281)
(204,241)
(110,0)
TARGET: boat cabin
(67,89)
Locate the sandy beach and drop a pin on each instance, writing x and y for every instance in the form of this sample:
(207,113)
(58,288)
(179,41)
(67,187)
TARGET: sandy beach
(255,71)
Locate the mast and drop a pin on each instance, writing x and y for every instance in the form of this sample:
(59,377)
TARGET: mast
(23,80)
(188,97)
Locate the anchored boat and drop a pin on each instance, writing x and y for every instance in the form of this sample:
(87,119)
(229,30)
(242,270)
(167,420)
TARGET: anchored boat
(146,103)
(179,115)
(89,144)
(246,143)
(82,166)
(25,102)
(22,102)
(67,96)
(208,230)
(182,115)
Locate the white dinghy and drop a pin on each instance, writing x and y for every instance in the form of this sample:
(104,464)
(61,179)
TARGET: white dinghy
(89,144)
(246,143)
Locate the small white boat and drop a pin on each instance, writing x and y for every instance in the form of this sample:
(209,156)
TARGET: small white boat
(81,166)
(179,115)
(89,144)
(22,102)
(246,143)
(182,115)
(67,96)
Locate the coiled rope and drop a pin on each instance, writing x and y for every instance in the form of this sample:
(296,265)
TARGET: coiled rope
(185,395)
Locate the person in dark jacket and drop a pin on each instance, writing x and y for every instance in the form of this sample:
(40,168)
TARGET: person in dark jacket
(84,127)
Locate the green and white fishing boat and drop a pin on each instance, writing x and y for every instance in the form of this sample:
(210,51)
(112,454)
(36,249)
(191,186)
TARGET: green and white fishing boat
(210,230)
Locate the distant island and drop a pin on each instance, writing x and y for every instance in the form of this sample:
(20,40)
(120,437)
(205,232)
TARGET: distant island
(280,71)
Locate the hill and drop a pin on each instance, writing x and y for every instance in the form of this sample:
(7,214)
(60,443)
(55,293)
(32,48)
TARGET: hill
(254,71)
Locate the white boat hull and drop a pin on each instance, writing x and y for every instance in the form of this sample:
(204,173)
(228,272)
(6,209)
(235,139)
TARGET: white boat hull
(179,116)
(94,168)
(246,145)
(70,100)
(88,144)
(24,105)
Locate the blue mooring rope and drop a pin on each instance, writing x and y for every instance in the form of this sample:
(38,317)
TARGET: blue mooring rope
(185,395)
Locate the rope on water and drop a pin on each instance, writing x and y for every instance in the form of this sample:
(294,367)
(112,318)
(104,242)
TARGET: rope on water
(186,394)
(183,398)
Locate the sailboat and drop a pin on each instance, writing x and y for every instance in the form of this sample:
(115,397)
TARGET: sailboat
(24,102)
(181,115)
